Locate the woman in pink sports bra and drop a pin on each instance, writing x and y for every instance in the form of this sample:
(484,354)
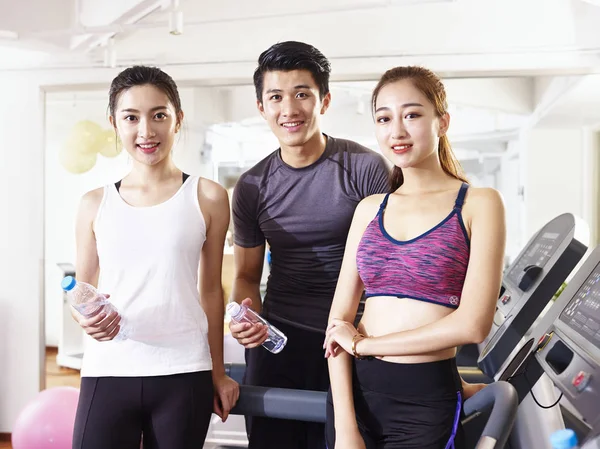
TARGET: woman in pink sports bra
(428,257)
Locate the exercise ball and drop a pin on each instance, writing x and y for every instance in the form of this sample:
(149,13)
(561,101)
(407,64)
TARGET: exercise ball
(86,137)
(47,421)
(108,144)
(75,162)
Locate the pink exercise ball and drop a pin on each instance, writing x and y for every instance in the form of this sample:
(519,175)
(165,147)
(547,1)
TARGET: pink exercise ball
(47,421)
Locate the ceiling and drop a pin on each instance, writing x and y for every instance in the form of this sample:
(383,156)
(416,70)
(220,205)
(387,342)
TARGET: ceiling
(454,36)
(507,64)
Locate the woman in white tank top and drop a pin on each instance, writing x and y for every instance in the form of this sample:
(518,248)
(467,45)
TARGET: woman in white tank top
(154,242)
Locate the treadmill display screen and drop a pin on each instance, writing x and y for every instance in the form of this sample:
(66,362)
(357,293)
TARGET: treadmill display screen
(542,248)
(582,314)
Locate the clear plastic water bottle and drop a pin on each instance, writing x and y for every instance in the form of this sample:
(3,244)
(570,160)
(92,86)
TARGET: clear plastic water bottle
(276,339)
(564,439)
(88,302)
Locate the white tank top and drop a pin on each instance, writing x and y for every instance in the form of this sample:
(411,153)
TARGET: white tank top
(149,259)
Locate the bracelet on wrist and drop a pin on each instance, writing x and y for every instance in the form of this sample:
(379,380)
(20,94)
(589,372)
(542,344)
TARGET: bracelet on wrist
(358,337)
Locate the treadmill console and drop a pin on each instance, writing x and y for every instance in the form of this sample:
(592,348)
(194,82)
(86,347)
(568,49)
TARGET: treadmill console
(582,314)
(528,286)
(569,351)
(529,266)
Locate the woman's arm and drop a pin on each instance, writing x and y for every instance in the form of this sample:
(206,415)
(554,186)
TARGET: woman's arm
(472,321)
(87,267)
(215,205)
(345,304)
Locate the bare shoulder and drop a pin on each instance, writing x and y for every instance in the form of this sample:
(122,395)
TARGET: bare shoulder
(90,202)
(368,207)
(483,205)
(484,197)
(211,191)
(214,203)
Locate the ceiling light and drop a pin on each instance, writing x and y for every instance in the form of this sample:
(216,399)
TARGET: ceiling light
(110,54)
(175,19)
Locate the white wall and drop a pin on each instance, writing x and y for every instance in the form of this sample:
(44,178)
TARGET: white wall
(510,183)
(554,175)
(21,245)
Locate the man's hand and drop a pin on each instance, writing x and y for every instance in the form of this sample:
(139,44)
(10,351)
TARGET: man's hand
(247,334)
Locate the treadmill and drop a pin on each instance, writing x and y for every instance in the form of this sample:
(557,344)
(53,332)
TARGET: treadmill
(525,298)
(568,351)
(528,285)
(527,289)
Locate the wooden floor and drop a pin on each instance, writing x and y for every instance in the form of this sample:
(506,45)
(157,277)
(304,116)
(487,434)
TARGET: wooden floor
(56,376)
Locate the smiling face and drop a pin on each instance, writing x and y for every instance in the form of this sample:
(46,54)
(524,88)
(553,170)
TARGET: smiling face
(407,126)
(292,107)
(146,122)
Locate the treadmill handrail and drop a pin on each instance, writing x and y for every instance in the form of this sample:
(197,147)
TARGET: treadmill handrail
(502,397)
(311,405)
(282,403)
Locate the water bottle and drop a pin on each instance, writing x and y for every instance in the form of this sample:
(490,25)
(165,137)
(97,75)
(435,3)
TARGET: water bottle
(276,339)
(88,302)
(564,439)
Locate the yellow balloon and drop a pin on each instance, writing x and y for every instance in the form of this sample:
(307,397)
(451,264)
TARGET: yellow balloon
(109,145)
(75,161)
(85,137)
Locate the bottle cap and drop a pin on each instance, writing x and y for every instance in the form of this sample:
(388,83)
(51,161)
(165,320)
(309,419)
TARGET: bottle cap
(563,439)
(68,283)
(233,308)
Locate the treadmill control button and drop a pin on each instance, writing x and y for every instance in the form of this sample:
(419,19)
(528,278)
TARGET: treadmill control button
(529,276)
(581,380)
(505,299)
(543,341)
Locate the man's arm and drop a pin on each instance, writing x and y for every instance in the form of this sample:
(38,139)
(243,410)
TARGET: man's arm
(246,290)
(247,274)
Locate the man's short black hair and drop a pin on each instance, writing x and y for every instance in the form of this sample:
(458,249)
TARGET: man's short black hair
(292,55)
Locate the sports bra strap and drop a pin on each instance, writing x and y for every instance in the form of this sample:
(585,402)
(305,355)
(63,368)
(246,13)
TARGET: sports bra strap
(383,204)
(184,176)
(460,199)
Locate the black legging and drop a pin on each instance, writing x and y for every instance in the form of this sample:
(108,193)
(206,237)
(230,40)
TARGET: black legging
(405,406)
(173,412)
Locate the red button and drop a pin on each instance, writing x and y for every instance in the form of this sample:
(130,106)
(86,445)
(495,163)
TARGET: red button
(581,380)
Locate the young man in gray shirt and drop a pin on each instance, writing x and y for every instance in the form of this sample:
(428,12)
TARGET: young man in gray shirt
(300,199)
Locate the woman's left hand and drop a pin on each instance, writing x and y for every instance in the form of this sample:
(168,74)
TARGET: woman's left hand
(339,335)
(227,392)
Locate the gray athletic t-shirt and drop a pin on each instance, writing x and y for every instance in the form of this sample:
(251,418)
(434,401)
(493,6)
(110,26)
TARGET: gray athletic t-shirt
(305,215)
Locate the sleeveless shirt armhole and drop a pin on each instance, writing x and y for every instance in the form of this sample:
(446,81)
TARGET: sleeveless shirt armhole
(101,206)
(195,183)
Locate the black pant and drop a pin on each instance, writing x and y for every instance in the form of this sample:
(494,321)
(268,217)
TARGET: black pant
(173,412)
(301,365)
(401,406)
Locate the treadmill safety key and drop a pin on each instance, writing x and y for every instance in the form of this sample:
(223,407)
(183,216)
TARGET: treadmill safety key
(581,380)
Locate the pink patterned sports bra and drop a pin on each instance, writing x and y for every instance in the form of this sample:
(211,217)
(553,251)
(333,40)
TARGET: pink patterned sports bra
(431,267)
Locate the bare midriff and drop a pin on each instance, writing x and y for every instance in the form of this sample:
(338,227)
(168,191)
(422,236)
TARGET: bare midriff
(385,315)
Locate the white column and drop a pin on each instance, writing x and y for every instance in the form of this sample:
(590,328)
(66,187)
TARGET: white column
(590,180)
(21,246)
